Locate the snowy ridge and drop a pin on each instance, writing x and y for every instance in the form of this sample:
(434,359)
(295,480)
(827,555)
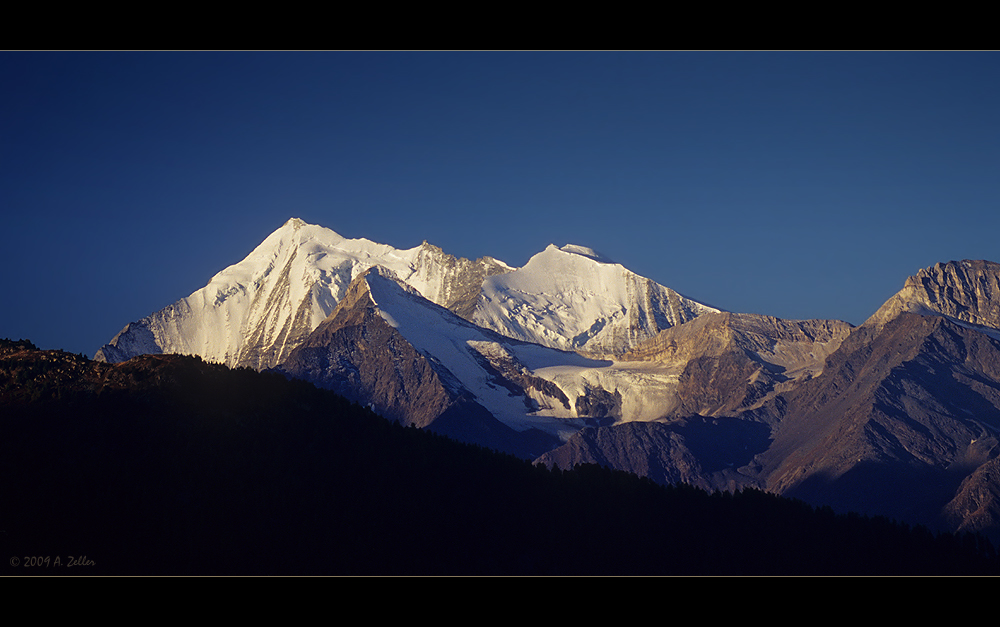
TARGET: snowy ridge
(573,298)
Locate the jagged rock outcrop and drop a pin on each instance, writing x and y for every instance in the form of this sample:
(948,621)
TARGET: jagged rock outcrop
(452,282)
(788,346)
(905,420)
(908,408)
(966,291)
(599,403)
(356,353)
(976,505)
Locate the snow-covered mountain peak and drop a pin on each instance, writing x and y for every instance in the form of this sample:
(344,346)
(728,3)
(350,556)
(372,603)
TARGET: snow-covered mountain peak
(571,301)
(296,229)
(295,223)
(570,260)
(586,252)
(293,234)
(254,311)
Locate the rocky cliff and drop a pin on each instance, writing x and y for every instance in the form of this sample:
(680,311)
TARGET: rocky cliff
(966,291)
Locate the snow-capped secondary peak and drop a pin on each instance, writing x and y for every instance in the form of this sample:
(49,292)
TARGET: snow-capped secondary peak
(569,300)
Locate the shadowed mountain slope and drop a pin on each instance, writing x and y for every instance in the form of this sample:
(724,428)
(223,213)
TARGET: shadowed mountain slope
(166,465)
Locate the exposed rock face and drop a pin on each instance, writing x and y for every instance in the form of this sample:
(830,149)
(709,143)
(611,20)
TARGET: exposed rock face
(357,354)
(453,282)
(599,403)
(789,346)
(730,362)
(966,291)
(902,415)
(703,452)
(976,506)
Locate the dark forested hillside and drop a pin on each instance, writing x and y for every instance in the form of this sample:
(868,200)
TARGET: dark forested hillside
(167,465)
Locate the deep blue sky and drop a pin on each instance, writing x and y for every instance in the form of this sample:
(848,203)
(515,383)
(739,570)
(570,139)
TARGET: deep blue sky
(798,184)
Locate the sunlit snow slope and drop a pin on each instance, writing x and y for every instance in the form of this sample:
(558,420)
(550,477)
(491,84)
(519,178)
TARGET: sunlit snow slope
(572,298)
